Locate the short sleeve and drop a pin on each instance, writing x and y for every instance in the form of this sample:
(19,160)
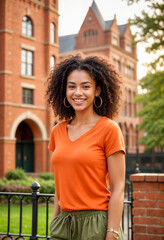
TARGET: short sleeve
(51,145)
(113,141)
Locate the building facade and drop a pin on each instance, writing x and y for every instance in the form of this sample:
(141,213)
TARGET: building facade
(28,50)
(114,42)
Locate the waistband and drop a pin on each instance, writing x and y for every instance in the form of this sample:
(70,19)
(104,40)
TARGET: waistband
(83,213)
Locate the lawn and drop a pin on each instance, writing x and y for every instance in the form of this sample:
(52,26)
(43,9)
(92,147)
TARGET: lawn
(26,219)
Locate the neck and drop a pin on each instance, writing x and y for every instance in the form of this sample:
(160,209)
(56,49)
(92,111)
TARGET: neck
(84,118)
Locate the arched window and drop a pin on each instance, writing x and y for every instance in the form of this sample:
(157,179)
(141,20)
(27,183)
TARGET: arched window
(52,62)
(27,26)
(52,32)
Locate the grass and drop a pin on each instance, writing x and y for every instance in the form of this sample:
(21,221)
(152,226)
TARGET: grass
(26,218)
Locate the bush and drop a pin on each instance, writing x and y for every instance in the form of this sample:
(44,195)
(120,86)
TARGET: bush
(17,174)
(46,176)
(24,186)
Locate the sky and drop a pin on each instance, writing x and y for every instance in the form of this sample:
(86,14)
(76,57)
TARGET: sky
(73,12)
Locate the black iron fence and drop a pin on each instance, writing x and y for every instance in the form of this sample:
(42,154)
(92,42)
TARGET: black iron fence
(35,196)
(147,163)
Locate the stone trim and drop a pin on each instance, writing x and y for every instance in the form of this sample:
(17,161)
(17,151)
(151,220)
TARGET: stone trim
(22,105)
(28,47)
(6,72)
(27,85)
(28,115)
(51,44)
(28,37)
(6,31)
(27,76)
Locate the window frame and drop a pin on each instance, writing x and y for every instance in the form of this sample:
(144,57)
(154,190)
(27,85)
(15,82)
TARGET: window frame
(27,96)
(26,64)
(52,32)
(26,25)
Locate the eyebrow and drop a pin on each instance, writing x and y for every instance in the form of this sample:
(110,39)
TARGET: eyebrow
(81,83)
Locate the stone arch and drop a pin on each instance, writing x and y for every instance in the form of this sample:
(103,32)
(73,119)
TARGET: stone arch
(29,117)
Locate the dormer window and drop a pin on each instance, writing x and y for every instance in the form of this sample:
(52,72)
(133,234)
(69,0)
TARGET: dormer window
(115,41)
(128,47)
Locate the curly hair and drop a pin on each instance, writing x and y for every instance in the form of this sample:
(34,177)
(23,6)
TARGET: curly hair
(99,70)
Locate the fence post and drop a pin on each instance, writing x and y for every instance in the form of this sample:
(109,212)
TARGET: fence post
(35,191)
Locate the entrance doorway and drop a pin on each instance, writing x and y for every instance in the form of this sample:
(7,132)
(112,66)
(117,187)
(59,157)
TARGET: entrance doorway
(24,147)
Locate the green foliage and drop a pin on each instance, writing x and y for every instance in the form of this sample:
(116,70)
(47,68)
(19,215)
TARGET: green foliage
(24,186)
(152,110)
(150,29)
(17,174)
(46,176)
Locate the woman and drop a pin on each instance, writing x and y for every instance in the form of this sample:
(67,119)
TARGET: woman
(88,150)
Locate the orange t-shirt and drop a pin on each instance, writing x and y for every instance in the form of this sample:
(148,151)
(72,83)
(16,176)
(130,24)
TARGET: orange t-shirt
(80,166)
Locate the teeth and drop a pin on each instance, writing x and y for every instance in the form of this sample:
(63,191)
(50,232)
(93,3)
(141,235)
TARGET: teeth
(78,100)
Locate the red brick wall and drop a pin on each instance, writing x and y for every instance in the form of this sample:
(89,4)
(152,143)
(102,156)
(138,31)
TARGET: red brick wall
(148,206)
(42,13)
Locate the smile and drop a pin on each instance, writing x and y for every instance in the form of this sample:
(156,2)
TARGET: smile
(78,100)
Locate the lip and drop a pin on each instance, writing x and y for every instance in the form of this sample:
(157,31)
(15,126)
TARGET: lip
(78,101)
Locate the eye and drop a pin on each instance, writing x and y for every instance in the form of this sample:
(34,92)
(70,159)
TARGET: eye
(86,86)
(71,86)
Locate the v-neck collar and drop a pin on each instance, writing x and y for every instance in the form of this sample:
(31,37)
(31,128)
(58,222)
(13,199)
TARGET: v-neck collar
(84,134)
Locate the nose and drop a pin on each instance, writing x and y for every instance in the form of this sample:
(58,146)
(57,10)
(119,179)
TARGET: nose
(78,91)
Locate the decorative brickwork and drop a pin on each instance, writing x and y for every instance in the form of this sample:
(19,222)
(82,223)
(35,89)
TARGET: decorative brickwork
(148,206)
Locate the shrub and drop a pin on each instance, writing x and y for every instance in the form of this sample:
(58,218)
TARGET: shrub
(17,174)
(24,186)
(46,176)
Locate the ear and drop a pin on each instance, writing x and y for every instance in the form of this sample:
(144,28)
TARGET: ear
(98,91)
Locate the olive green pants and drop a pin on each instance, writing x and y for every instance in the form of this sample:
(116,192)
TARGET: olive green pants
(80,225)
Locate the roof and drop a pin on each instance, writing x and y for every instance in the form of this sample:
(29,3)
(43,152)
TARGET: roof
(98,14)
(108,24)
(122,28)
(67,43)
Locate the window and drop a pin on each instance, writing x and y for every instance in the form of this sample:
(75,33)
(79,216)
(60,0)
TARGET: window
(129,71)
(90,36)
(27,62)
(117,64)
(27,96)
(52,62)
(27,26)
(128,47)
(52,32)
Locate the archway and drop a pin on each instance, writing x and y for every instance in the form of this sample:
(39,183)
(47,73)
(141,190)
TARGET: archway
(24,147)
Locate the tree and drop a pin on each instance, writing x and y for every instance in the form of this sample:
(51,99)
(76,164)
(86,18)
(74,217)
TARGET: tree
(152,110)
(150,30)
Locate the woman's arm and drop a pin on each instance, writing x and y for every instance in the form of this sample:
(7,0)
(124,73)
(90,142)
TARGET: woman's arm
(116,170)
(56,207)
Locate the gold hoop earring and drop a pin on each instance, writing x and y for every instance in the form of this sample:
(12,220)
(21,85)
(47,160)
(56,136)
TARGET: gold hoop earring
(65,103)
(101,102)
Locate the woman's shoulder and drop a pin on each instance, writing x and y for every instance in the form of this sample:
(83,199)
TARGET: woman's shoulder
(60,125)
(107,122)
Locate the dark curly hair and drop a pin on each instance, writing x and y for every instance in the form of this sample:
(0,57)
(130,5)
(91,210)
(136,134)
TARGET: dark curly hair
(100,71)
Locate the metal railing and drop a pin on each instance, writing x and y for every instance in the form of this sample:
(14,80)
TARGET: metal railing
(35,195)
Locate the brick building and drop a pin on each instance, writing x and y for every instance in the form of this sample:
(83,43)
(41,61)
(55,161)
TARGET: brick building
(28,49)
(113,41)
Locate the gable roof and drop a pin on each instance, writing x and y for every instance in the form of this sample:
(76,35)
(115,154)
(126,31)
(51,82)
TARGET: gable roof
(122,28)
(98,14)
(67,43)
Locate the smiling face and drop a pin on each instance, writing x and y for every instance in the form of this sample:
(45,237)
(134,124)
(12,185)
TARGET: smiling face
(81,90)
